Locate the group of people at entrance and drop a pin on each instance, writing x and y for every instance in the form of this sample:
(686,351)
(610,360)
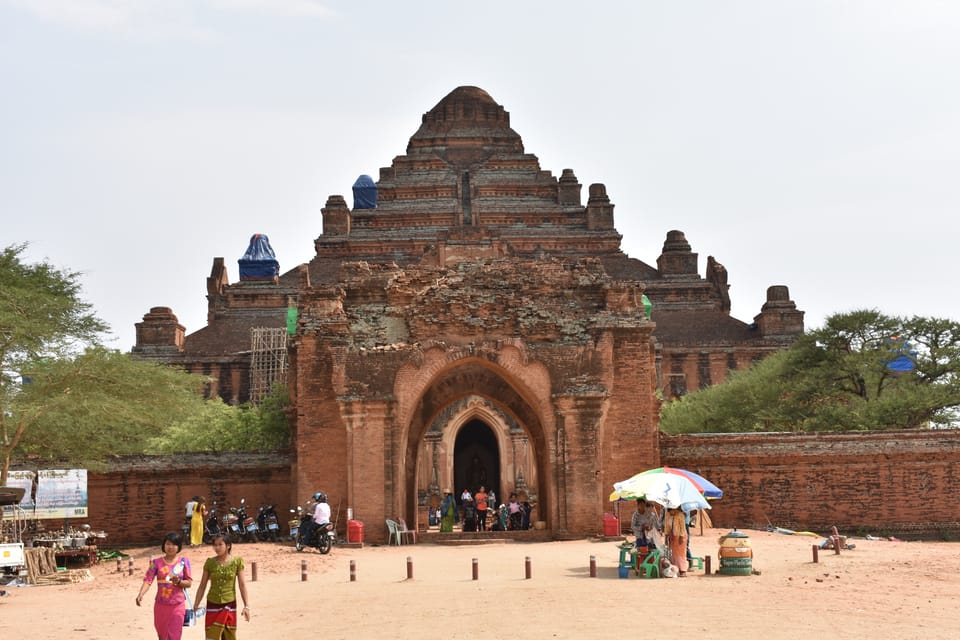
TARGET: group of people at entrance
(669,532)
(478,512)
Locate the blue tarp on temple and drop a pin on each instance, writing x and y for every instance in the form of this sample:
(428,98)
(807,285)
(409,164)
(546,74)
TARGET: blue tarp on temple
(904,356)
(364,193)
(259,262)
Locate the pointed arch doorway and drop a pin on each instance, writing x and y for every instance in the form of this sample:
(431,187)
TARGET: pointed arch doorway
(476,440)
(476,459)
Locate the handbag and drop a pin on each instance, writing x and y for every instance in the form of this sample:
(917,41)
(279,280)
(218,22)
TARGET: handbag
(189,616)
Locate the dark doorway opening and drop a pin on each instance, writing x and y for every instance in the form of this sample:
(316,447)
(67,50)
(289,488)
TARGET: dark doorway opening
(476,460)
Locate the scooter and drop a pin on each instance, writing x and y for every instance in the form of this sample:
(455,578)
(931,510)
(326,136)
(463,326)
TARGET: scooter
(268,526)
(321,537)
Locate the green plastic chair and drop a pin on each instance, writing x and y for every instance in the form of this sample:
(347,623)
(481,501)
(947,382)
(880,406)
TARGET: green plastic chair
(650,567)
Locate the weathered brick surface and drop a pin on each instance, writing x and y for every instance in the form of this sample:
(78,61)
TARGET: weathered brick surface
(862,482)
(901,482)
(141,498)
(479,297)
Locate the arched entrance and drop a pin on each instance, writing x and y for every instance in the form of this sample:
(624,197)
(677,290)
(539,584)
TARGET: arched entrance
(475,441)
(475,422)
(476,459)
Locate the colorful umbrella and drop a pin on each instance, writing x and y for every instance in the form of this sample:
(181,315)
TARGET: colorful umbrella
(707,488)
(671,490)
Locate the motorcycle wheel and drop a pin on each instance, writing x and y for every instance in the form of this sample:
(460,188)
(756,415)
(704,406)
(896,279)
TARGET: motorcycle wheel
(323,545)
(299,542)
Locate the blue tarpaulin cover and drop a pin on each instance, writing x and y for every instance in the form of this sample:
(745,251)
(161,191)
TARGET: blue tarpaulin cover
(904,355)
(364,193)
(259,261)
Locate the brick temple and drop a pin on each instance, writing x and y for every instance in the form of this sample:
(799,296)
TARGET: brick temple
(470,320)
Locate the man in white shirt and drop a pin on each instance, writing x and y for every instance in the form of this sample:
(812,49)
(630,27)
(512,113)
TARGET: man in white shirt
(321,512)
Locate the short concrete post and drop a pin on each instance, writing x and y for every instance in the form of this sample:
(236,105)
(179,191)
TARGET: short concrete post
(476,569)
(130,567)
(816,553)
(353,571)
(119,565)
(706,565)
(253,572)
(409,567)
(303,571)
(527,568)
(593,566)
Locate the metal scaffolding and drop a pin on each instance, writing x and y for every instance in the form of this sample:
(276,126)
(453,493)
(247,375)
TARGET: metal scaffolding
(268,360)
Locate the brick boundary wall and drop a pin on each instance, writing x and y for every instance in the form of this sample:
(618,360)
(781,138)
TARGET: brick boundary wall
(139,498)
(902,483)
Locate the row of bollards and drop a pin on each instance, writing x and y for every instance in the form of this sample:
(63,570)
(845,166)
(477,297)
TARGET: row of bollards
(527,569)
(475,563)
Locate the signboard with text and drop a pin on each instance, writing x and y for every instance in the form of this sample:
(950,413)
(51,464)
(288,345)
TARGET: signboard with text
(23,480)
(61,493)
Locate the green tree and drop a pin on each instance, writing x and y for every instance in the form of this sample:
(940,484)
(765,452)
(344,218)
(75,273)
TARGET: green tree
(42,317)
(102,402)
(837,378)
(221,427)
(65,398)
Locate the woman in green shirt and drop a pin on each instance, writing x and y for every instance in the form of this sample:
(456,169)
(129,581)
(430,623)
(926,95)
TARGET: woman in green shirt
(224,573)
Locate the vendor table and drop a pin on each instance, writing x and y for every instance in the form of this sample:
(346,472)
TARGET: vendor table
(87,556)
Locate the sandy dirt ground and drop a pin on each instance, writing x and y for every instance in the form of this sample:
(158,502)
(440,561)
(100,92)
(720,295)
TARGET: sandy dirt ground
(881,589)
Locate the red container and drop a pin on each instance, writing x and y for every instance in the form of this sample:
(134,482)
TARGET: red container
(354,531)
(611,525)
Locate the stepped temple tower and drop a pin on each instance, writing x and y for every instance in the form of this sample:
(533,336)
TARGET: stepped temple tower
(470,320)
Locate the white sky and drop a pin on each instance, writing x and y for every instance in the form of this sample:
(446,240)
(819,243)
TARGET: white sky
(809,143)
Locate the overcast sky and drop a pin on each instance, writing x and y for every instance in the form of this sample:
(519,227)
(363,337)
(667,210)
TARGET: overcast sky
(814,144)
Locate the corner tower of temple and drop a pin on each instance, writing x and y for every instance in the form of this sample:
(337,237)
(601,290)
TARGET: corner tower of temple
(471,321)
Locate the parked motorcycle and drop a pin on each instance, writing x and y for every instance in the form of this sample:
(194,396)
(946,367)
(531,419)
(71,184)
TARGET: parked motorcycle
(268,525)
(248,524)
(212,526)
(231,524)
(294,522)
(321,537)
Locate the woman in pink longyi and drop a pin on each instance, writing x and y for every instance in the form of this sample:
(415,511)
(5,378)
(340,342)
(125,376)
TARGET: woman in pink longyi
(172,572)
